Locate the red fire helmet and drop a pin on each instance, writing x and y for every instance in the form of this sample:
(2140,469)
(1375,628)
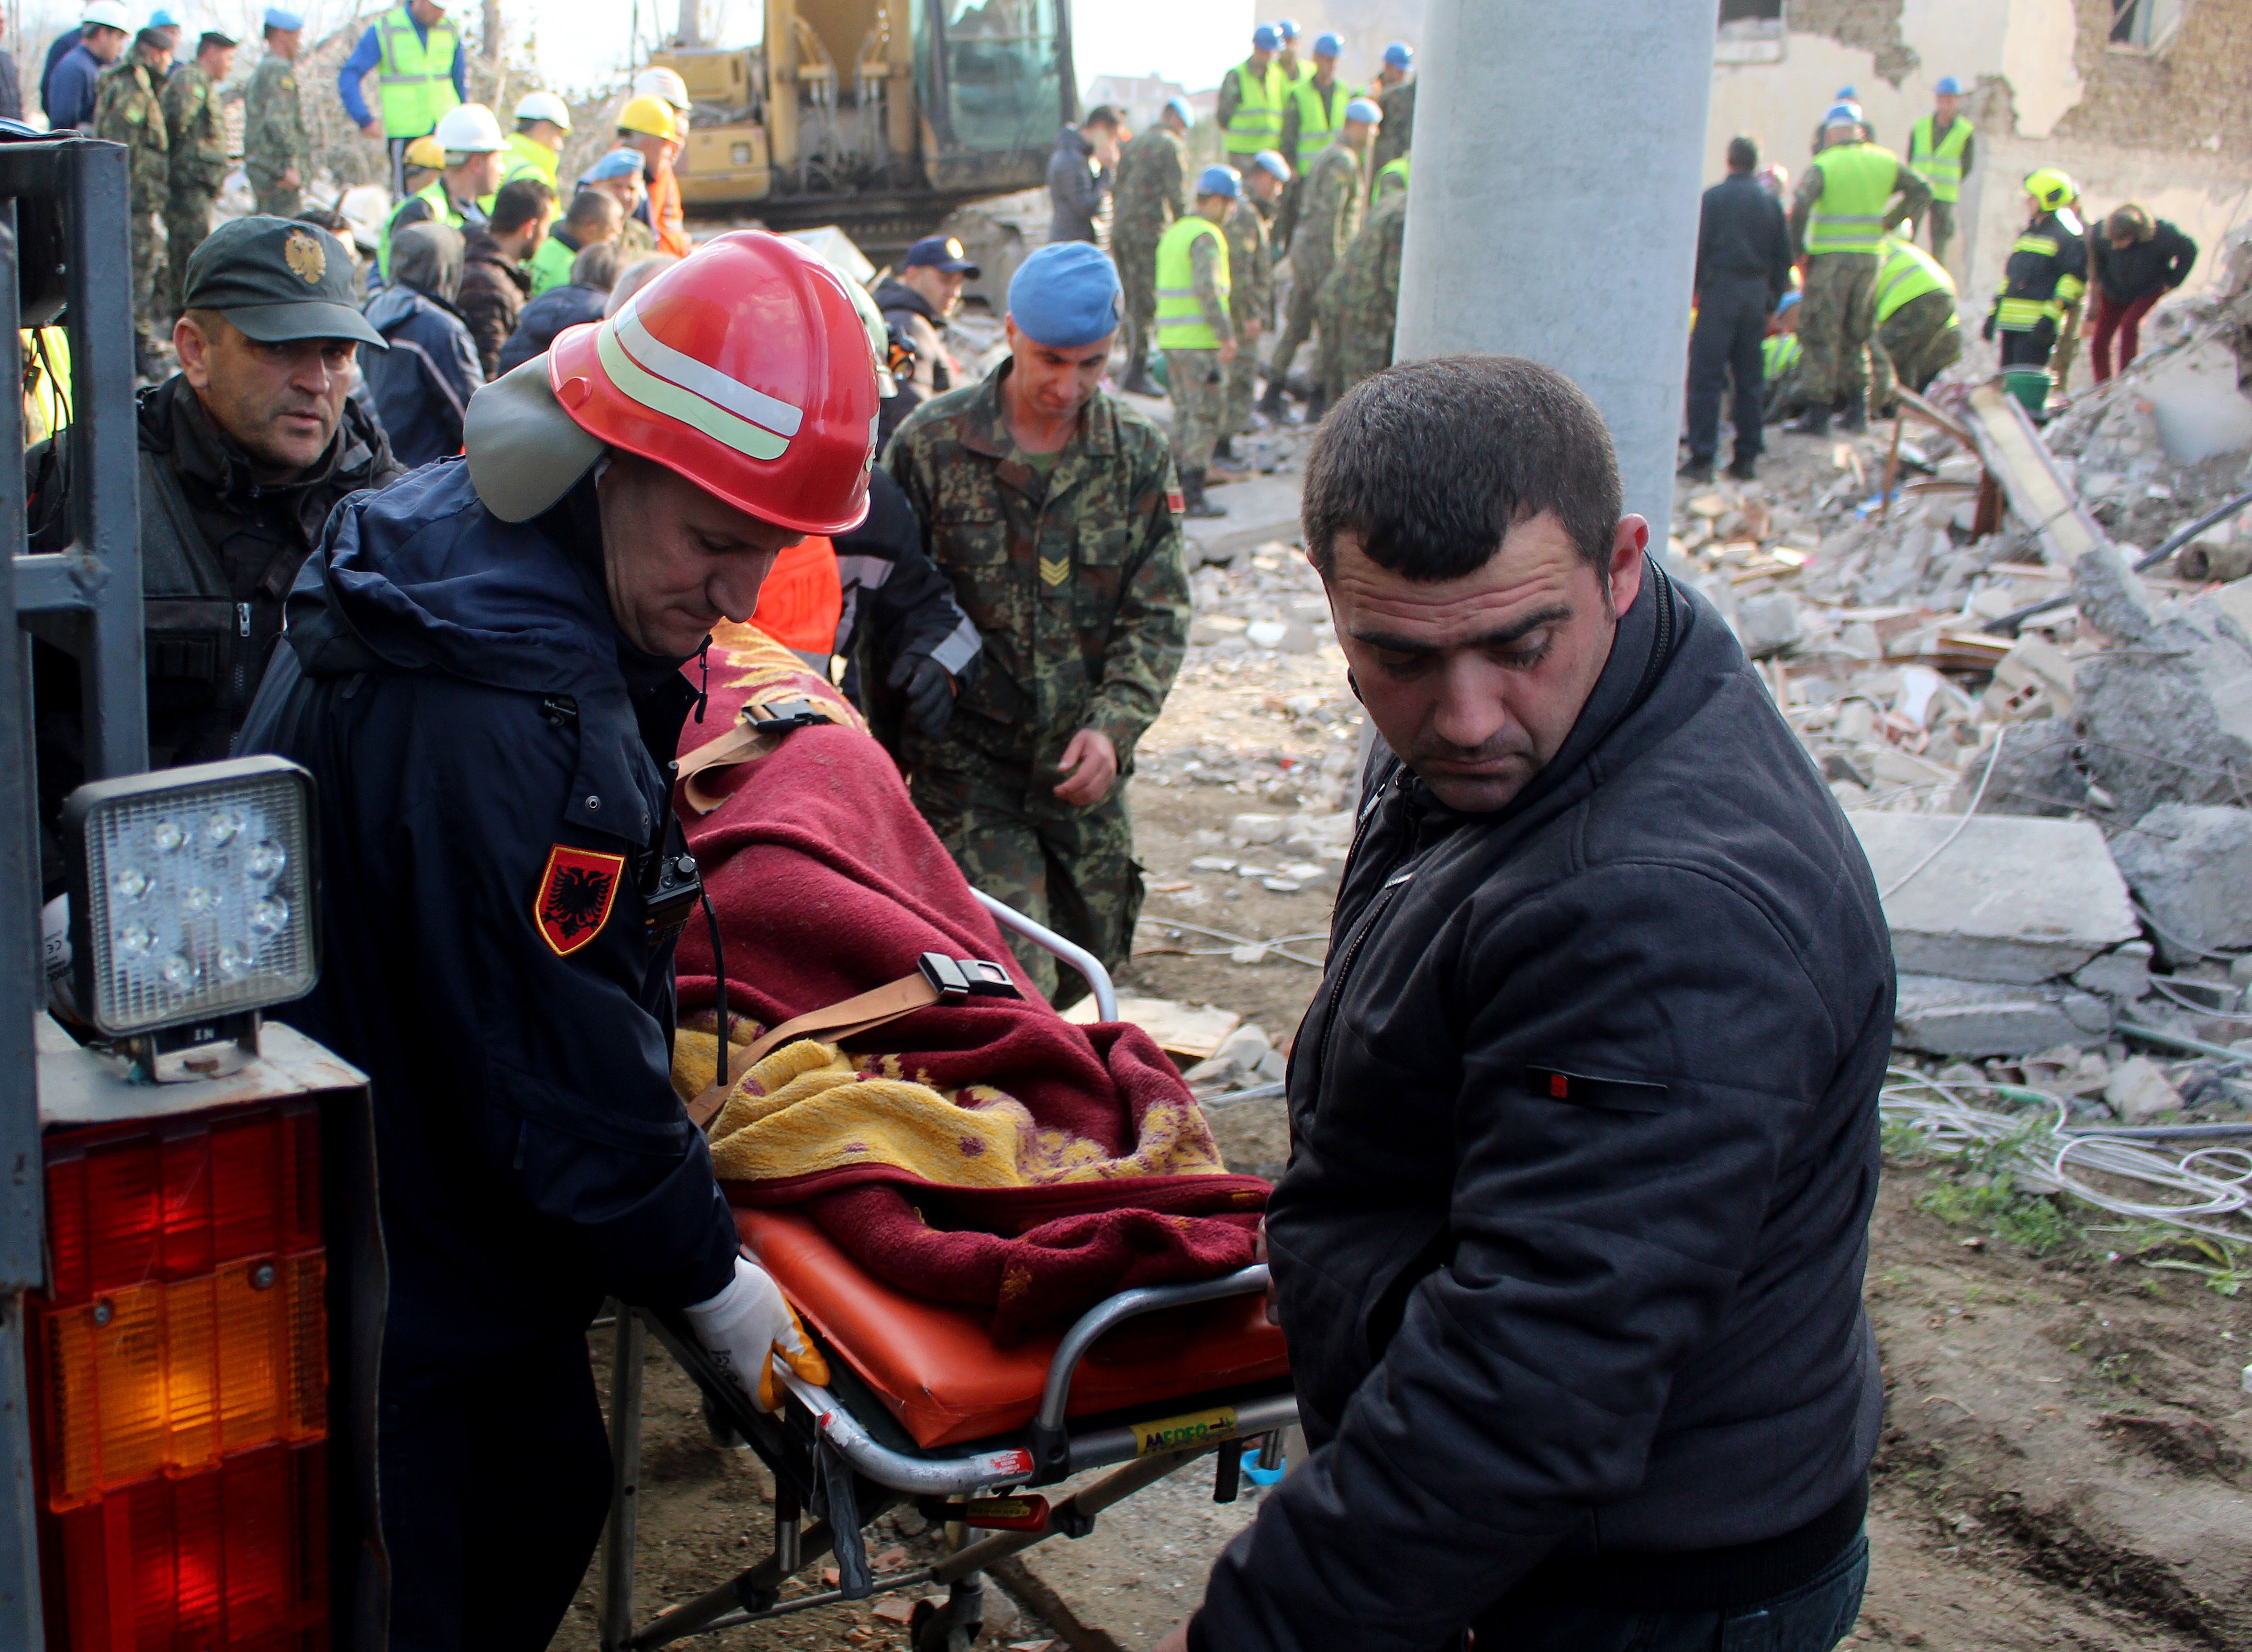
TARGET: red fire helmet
(745,368)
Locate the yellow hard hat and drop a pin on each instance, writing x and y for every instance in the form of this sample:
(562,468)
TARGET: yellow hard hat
(2051,188)
(427,151)
(652,115)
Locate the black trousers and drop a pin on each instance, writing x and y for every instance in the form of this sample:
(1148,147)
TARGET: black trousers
(1731,322)
(2029,350)
(496,1480)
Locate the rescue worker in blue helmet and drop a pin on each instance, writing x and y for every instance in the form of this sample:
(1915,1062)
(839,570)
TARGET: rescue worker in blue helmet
(484,674)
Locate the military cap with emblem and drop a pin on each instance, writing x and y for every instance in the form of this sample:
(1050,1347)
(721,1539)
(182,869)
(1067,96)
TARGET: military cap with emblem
(277,280)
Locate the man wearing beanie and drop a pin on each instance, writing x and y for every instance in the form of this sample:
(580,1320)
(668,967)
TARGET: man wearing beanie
(1055,510)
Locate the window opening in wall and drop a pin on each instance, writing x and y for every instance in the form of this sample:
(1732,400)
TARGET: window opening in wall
(1751,32)
(2145,26)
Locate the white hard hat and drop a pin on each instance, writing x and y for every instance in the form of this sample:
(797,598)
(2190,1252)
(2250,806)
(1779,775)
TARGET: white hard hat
(106,14)
(544,106)
(469,129)
(662,83)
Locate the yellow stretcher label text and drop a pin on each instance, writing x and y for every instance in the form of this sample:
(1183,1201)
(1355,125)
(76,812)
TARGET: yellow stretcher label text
(1172,1433)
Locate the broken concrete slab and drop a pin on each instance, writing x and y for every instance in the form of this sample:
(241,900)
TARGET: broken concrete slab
(2035,773)
(2138,1092)
(2122,975)
(2011,898)
(1768,625)
(2191,866)
(1984,1019)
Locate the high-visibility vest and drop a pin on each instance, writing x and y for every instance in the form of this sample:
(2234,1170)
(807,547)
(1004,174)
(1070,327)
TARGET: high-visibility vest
(1392,174)
(1318,118)
(1779,353)
(1941,164)
(1857,182)
(550,263)
(1257,123)
(442,211)
(1907,273)
(415,77)
(527,157)
(2022,314)
(802,598)
(1181,324)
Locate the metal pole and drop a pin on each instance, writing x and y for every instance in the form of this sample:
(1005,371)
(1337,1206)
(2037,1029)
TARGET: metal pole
(618,1536)
(1559,156)
(21,995)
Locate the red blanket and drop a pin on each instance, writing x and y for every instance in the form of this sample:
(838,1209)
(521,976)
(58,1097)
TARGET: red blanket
(986,1153)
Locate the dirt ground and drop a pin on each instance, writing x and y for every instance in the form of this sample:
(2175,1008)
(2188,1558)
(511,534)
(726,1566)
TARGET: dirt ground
(2066,1451)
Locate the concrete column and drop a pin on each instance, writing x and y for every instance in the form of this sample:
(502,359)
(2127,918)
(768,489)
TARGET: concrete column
(1559,152)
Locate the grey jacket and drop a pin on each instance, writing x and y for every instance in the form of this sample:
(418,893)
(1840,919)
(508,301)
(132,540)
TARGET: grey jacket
(1077,188)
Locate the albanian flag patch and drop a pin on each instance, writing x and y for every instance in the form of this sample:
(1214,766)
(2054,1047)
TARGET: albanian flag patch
(1177,502)
(576,893)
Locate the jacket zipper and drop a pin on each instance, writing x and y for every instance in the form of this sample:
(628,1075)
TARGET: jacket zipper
(1368,923)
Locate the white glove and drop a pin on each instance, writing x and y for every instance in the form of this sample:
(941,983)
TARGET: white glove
(745,1326)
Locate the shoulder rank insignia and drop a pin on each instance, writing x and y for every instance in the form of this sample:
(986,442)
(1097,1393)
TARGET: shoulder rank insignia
(576,892)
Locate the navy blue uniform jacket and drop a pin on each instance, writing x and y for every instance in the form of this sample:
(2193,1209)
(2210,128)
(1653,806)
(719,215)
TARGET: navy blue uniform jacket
(466,704)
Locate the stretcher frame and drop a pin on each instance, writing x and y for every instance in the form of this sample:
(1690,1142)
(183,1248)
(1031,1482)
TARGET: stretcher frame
(827,1462)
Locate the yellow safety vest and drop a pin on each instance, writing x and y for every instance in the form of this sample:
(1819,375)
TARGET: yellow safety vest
(1257,123)
(1857,184)
(414,78)
(1392,174)
(1941,164)
(442,211)
(527,157)
(1318,118)
(1779,353)
(1907,273)
(1181,324)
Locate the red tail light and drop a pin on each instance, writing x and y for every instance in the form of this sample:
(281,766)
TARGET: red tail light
(179,1374)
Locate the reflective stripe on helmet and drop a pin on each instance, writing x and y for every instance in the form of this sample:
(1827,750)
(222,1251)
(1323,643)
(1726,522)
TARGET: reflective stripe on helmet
(708,382)
(662,396)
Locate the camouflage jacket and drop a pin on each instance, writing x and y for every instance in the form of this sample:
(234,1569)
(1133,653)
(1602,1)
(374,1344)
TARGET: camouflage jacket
(1329,213)
(274,124)
(129,108)
(198,136)
(1152,187)
(1397,135)
(1250,264)
(1362,295)
(1079,588)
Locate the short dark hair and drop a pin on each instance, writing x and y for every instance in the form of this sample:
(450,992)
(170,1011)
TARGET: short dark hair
(211,37)
(592,206)
(597,266)
(1102,114)
(519,201)
(1743,154)
(1431,463)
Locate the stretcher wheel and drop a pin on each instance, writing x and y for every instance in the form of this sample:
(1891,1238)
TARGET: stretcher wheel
(953,1626)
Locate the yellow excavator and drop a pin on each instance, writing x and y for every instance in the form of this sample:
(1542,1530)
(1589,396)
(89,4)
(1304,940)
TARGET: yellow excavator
(879,115)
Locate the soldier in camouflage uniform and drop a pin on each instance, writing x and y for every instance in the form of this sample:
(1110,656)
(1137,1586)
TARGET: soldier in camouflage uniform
(275,152)
(1151,191)
(128,110)
(1361,300)
(1251,287)
(199,156)
(1329,215)
(1051,508)
(1397,135)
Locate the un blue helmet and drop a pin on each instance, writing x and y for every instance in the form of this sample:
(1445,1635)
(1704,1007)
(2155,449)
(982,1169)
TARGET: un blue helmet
(1949,86)
(1398,55)
(1845,94)
(1842,114)
(1264,38)
(1180,106)
(1220,180)
(1288,28)
(1365,109)
(1329,46)
(1270,161)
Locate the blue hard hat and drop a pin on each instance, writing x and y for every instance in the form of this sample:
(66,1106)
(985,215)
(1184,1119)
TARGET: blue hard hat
(1365,109)
(1288,28)
(1180,106)
(1268,161)
(1067,295)
(161,18)
(1220,180)
(1264,38)
(287,21)
(1329,46)
(1398,55)
(1845,94)
(1842,114)
(1949,86)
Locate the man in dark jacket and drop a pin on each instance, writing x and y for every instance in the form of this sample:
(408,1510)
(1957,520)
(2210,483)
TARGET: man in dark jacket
(1743,270)
(423,383)
(244,453)
(1584,1116)
(580,300)
(1079,173)
(2135,260)
(484,677)
(920,300)
(495,281)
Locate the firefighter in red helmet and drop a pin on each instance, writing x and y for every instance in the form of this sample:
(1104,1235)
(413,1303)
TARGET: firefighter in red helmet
(483,672)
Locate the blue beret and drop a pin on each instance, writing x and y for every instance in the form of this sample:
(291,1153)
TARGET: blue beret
(1067,295)
(1181,107)
(616,163)
(1398,55)
(1365,109)
(1268,161)
(1264,38)
(285,21)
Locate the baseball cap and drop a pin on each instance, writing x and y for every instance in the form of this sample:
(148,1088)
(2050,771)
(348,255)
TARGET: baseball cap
(277,280)
(941,253)
(1067,295)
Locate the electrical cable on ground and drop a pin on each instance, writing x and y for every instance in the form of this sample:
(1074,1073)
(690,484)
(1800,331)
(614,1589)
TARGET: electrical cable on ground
(1993,756)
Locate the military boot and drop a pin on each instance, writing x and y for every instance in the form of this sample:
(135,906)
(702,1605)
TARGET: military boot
(1272,404)
(1139,382)
(1317,405)
(1853,416)
(1193,504)
(1815,421)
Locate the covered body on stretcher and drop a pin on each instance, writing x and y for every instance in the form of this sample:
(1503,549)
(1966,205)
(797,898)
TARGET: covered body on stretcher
(1013,1236)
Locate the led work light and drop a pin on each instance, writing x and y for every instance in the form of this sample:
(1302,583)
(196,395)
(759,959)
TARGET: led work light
(192,900)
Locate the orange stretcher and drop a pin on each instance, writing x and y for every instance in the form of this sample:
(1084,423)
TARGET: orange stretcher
(923,1408)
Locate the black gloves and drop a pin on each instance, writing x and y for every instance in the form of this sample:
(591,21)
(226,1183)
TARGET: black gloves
(929,689)
(1987,331)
